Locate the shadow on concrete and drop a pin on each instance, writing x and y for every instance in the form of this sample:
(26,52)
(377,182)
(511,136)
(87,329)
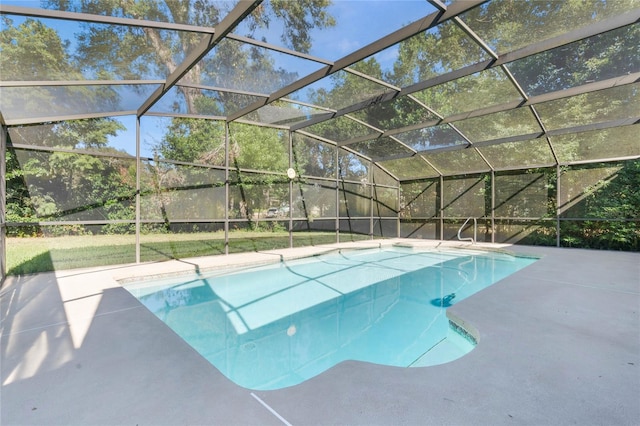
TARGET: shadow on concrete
(74,353)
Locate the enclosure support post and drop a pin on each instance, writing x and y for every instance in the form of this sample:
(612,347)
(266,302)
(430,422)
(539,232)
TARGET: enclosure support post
(398,219)
(441,206)
(371,203)
(337,183)
(557,205)
(226,188)
(291,191)
(3,202)
(493,206)
(138,173)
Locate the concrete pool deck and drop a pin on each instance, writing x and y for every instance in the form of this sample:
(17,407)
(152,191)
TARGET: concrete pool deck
(559,344)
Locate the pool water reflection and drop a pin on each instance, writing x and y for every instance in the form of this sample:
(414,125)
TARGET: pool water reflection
(275,326)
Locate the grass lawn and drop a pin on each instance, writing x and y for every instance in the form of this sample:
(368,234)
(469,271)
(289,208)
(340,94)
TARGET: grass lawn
(32,255)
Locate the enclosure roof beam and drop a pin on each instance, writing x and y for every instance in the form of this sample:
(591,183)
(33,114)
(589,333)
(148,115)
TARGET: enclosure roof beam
(254,42)
(600,27)
(53,83)
(534,100)
(520,138)
(627,18)
(229,22)
(57,118)
(414,28)
(6,9)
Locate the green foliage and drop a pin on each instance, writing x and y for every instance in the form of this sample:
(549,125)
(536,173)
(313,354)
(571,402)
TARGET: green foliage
(268,226)
(259,148)
(56,185)
(60,258)
(35,255)
(596,58)
(32,51)
(53,185)
(300,17)
(132,53)
(313,158)
(194,141)
(618,198)
(602,215)
(60,184)
(614,204)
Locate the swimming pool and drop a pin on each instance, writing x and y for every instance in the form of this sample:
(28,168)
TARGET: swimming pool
(274,326)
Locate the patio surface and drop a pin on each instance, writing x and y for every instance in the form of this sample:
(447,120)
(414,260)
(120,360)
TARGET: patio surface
(559,344)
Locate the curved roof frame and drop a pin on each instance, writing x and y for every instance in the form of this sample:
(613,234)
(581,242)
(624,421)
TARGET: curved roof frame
(451,13)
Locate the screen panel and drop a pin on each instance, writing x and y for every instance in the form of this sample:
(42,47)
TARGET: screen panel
(314,158)
(452,226)
(340,129)
(529,193)
(420,229)
(182,139)
(457,162)
(572,65)
(433,137)
(465,197)
(616,103)
(252,236)
(41,247)
(507,25)
(381,177)
(54,186)
(385,228)
(420,199)
(480,90)
(598,144)
(521,154)
(410,168)
(600,234)
(258,148)
(354,199)
(316,199)
(385,202)
(252,194)
(527,232)
(380,148)
(172,192)
(352,167)
(110,135)
(354,229)
(161,241)
(582,186)
(504,124)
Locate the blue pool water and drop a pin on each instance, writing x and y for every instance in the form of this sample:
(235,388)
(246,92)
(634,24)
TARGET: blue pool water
(275,326)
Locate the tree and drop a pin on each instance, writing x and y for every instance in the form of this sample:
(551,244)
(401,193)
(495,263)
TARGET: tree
(138,53)
(60,185)
(33,51)
(194,141)
(314,158)
(147,53)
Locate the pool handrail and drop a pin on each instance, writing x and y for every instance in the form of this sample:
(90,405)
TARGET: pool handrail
(475,230)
